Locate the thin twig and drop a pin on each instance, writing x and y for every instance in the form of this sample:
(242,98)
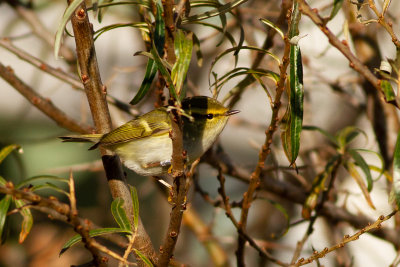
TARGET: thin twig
(343,46)
(265,150)
(346,239)
(43,104)
(382,21)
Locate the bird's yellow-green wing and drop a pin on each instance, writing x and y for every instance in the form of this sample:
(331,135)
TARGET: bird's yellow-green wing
(150,124)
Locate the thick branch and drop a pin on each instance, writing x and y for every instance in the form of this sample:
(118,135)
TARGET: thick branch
(96,94)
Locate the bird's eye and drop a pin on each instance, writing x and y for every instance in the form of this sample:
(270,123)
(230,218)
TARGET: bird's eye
(210,116)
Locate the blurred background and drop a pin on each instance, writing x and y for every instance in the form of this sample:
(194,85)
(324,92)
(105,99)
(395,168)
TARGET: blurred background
(326,107)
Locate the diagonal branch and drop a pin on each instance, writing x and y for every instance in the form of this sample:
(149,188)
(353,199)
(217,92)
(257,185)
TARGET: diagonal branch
(43,104)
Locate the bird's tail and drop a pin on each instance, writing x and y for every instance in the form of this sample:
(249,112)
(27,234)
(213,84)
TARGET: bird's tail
(92,138)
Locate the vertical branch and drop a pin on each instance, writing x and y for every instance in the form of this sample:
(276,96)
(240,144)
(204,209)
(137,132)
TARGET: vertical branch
(265,150)
(179,188)
(96,94)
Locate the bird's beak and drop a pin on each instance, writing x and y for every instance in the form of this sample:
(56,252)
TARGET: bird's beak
(231,112)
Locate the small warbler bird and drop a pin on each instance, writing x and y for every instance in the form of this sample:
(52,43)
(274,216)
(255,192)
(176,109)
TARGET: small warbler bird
(144,145)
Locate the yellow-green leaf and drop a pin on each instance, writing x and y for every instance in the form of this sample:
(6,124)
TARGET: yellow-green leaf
(27,220)
(396,172)
(119,214)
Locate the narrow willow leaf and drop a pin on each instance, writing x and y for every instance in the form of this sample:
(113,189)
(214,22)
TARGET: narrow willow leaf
(351,168)
(273,26)
(331,138)
(396,172)
(135,201)
(183,51)
(66,17)
(296,98)
(348,134)
(4,206)
(164,73)
(27,220)
(318,186)
(337,5)
(143,3)
(143,258)
(234,49)
(219,82)
(196,46)
(151,71)
(215,12)
(360,161)
(139,25)
(41,178)
(119,214)
(101,11)
(151,68)
(49,186)
(388,91)
(5,151)
(226,34)
(92,233)
(381,169)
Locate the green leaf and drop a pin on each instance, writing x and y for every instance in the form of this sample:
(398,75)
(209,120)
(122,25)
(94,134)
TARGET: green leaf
(348,134)
(151,71)
(396,172)
(4,206)
(139,25)
(273,26)
(234,49)
(119,214)
(135,201)
(27,220)
(351,168)
(337,5)
(92,233)
(226,34)
(49,186)
(359,160)
(66,17)
(215,12)
(381,169)
(5,151)
(196,46)
(318,186)
(151,68)
(291,134)
(142,3)
(164,73)
(331,138)
(143,258)
(183,51)
(388,91)
(41,178)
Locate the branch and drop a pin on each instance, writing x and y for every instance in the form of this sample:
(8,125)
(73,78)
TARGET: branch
(40,30)
(43,104)
(343,47)
(57,73)
(55,207)
(265,150)
(96,93)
